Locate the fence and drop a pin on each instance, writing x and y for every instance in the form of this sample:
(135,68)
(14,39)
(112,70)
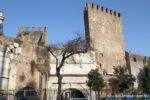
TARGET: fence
(78,99)
(146,97)
(51,95)
(136,97)
(27,98)
(3,98)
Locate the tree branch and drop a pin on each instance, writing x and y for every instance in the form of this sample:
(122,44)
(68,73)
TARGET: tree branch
(52,53)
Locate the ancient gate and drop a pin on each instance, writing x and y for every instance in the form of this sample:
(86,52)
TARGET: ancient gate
(72,94)
(27,93)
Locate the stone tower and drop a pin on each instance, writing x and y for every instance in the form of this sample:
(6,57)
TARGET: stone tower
(104,34)
(1,22)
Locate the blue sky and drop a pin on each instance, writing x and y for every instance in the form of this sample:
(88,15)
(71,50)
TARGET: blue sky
(65,17)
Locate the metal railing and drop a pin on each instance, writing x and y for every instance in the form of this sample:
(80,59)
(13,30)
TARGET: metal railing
(26,98)
(3,98)
(78,99)
(146,97)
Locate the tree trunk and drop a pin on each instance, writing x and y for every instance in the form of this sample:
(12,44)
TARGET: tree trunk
(95,95)
(45,87)
(59,86)
(90,93)
(98,95)
(43,90)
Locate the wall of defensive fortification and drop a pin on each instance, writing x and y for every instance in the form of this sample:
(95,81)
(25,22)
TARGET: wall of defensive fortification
(104,33)
(136,64)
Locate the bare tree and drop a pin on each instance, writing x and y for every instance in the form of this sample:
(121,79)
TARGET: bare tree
(61,53)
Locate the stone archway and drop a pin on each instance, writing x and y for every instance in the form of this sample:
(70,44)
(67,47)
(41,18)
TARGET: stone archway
(71,93)
(27,93)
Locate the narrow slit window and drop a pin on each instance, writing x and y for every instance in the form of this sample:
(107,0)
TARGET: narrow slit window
(100,65)
(134,59)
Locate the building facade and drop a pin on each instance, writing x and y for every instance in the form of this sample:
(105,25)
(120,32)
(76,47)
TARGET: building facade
(25,60)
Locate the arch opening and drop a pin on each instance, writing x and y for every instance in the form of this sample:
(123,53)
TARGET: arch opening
(71,93)
(26,93)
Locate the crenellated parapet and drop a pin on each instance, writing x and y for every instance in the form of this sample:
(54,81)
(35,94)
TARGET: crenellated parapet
(102,9)
(33,29)
(33,34)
